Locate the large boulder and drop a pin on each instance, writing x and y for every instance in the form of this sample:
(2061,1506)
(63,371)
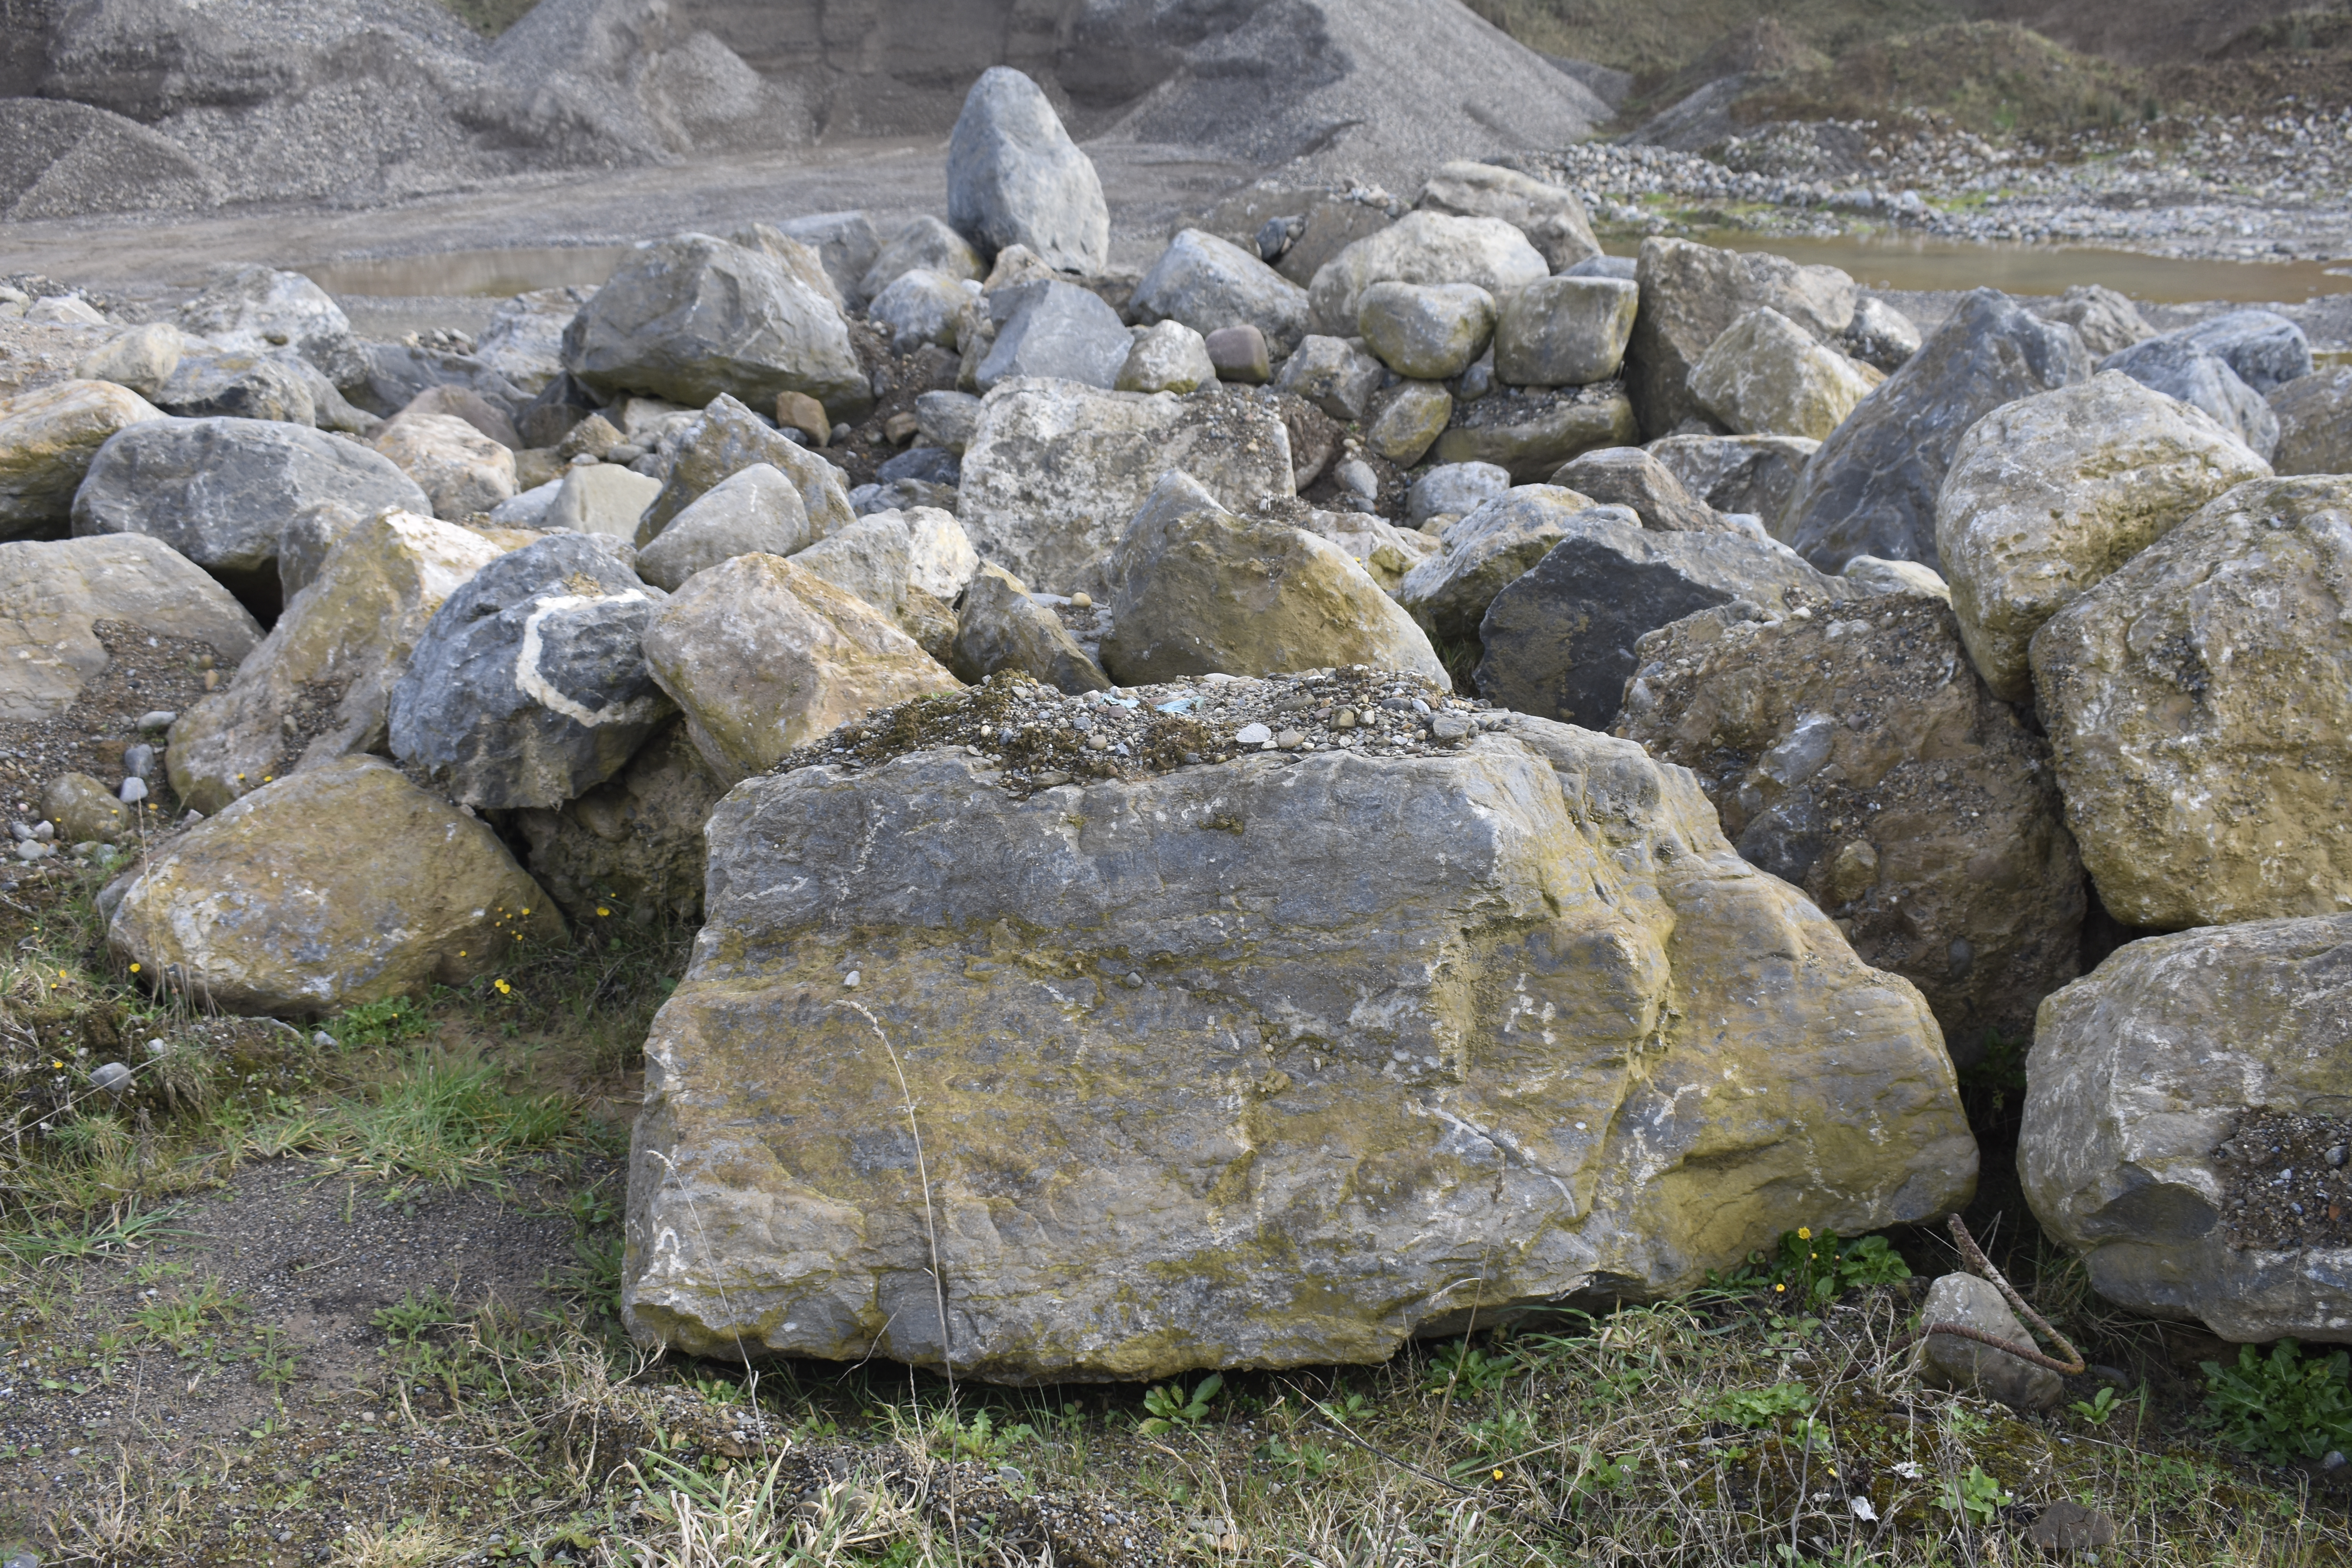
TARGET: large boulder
(999,626)
(1550,216)
(1422,247)
(1629,477)
(223,491)
(2181,368)
(1767,376)
(341,884)
(448,400)
(254,309)
(1429,332)
(753,512)
(1055,330)
(1553,1038)
(2315,416)
(1691,295)
(1483,552)
(1756,474)
(524,340)
(696,316)
(2199,701)
(1208,283)
(632,846)
(729,439)
(1201,592)
(461,470)
(2178,1100)
(871,558)
(2107,321)
(52,594)
(2261,348)
(1871,488)
(1564,331)
(2050,493)
(1014,177)
(1531,434)
(1057,471)
(527,688)
(763,656)
(924,245)
(1852,751)
(317,686)
(846,243)
(48,438)
(1558,640)
(240,387)
(141,359)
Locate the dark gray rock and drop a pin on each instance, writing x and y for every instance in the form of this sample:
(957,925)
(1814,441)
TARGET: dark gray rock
(846,243)
(1456,489)
(527,688)
(2314,416)
(1629,477)
(1207,283)
(397,375)
(1880,335)
(2178,367)
(236,386)
(2263,347)
(933,465)
(1014,177)
(1055,329)
(1871,488)
(1753,474)
(223,491)
(1560,641)
(1000,627)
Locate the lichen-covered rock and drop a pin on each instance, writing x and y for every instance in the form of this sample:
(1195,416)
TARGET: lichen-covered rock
(528,687)
(1454,490)
(753,512)
(762,656)
(1000,627)
(317,686)
(2050,493)
(871,558)
(524,340)
(1550,216)
(1014,177)
(632,846)
(1201,1083)
(2199,701)
(1533,434)
(1206,283)
(1422,247)
(1335,374)
(1057,471)
(253,309)
(1564,331)
(1854,753)
(1691,295)
(726,439)
(47,439)
(2154,1096)
(1407,420)
(238,386)
(1202,592)
(1629,477)
(53,592)
(1168,357)
(1880,336)
(83,810)
(1949,1360)
(1484,552)
(461,470)
(1767,376)
(2315,416)
(1428,331)
(341,884)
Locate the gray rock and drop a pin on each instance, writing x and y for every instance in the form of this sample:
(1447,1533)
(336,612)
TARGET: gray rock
(1560,641)
(1691,294)
(1423,247)
(1625,267)
(1055,329)
(1407,420)
(1533,434)
(1208,283)
(1949,1360)
(253,309)
(48,437)
(53,591)
(1564,331)
(695,318)
(1316,223)
(462,471)
(602,498)
(1335,374)
(529,687)
(2265,348)
(1550,216)
(1483,552)
(918,308)
(845,243)
(236,386)
(871,558)
(725,440)
(1000,627)
(1240,355)
(1168,357)
(141,359)
(464,403)
(756,510)
(927,465)
(947,418)
(221,492)
(2314,416)
(2107,322)
(1014,177)
(925,244)
(2142,1074)
(1752,474)
(1428,331)
(1895,577)
(1629,477)
(1879,335)
(1454,490)
(1871,488)
(524,340)
(633,846)
(2179,368)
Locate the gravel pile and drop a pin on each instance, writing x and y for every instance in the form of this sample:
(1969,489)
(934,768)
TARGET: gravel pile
(2289,1181)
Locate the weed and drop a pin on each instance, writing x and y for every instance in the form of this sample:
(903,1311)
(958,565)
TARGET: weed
(1755,1409)
(2097,1408)
(1810,1270)
(1464,1366)
(375,1025)
(2282,1407)
(1167,1406)
(1974,1497)
(980,1437)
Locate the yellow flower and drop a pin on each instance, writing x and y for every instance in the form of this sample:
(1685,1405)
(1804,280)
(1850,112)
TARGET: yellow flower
(601,910)
(1804,1232)
(134,969)
(504,989)
(1498,1475)
(1778,1288)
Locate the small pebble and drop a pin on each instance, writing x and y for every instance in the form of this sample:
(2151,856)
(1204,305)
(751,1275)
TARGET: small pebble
(134,790)
(21,832)
(139,761)
(112,1077)
(1289,740)
(31,850)
(44,831)
(157,1047)
(1082,601)
(1253,735)
(2334,1461)
(323,1040)
(2337,1155)
(158,719)
(850,981)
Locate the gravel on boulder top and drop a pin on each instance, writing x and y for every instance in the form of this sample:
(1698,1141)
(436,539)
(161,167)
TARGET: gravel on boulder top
(1044,739)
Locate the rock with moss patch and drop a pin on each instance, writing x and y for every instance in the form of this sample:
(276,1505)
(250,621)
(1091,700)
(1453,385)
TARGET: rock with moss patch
(48,438)
(729,439)
(84,810)
(631,847)
(1000,627)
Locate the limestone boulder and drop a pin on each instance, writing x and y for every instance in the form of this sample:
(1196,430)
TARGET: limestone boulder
(924,244)
(53,592)
(1014,177)
(238,386)
(2179,367)
(1428,331)
(729,439)
(1767,376)
(1871,488)
(255,310)
(1338,376)
(753,512)
(1058,329)
(941,560)
(1057,471)
(763,656)
(1692,294)
(1558,640)
(1629,477)
(695,318)
(1000,627)
(1422,247)
(524,340)
(1407,420)
(1756,474)
(47,439)
(845,243)
(2177,1099)
(1532,434)
(461,470)
(871,558)
(1208,283)
(341,884)
(319,686)
(1564,331)
(1454,490)
(918,308)
(602,498)
(1168,357)
(631,848)
(2261,348)
(1202,592)
(2047,495)
(2315,416)
(1387,553)
(1550,215)
(452,401)
(1879,576)
(528,687)
(2107,321)
(946,419)
(1853,752)
(2198,700)
(1949,1360)
(1554,1039)
(1483,552)
(141,359)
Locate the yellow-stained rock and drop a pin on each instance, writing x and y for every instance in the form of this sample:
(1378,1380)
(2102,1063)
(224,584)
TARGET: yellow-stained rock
(48,437)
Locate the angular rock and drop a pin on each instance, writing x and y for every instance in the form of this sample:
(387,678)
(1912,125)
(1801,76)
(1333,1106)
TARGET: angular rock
(1871,488)
(1335,374)
(633,843)
(1547,907)
(84,811)
(1204,592)
(1428,331)
(2199,701)
(926,245)
(1949,1360)
(1054,328)
(341,885)
(528,687)
(1691,295)
(939,557)
(1879,336)
(603,498)
(238,386)
(1533,434)
(1564,331)
(1629,477)
(1057,471)
(222,491)
(1001,628)
(1408,420)
(317,686)
(1854,753)
(1550,216)
(53,592)
(948,419)
(1752,473)
(2264,349)
(1485,552)
(1240,355)
(1014,177)
(1387,553)
(1422,247)
(1895,577)
(730,438)
(845,243)
(2049,494)
(870,558)
(2314,416)
(1456,489)
(918,308)
(2142,1077)
(464,403)
(141,359)
(1315,223)
(753,512)
(461,470)
(254,309)
(524,340)
(764,657)
(2107,322)
(695,318)
(2202,379)
(1560,639)
(47,439)
(1766,376)
(1169,357)
(1208,283)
